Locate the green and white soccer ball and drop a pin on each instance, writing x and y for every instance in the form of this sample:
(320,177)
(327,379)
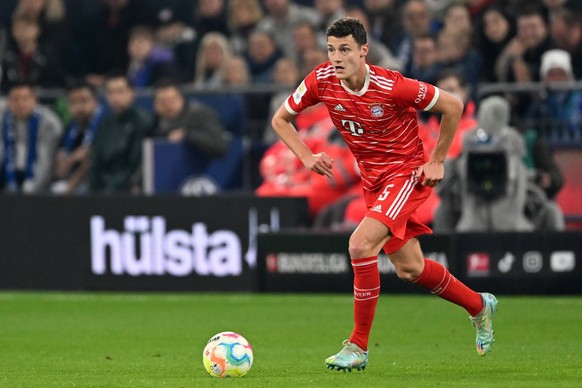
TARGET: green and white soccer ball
(227,354)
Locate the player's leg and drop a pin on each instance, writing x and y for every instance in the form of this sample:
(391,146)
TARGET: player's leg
(365,243)
(411,266)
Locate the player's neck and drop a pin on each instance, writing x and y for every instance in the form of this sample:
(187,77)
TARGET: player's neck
(357,82)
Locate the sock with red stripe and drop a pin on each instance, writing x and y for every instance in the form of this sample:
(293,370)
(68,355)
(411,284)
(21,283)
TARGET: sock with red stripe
(366,292)
(440,282)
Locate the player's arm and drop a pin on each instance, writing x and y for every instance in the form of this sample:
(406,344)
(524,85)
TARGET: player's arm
(319,163)
(451,109)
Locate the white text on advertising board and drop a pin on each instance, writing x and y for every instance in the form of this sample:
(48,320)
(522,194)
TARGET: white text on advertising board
(145,247)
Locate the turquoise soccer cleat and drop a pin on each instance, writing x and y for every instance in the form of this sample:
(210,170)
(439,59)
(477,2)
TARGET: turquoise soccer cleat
(350,357)
(483,323)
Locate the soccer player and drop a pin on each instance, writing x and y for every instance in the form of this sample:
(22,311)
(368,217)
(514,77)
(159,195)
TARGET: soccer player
(375,111)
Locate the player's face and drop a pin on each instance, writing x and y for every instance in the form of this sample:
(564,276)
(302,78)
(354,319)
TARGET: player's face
(346,56)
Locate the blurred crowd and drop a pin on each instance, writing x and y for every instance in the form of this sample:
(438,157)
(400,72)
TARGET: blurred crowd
(100,52)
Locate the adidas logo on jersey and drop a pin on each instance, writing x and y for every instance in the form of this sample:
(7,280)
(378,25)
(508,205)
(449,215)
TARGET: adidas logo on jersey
(377,208)
(339,107)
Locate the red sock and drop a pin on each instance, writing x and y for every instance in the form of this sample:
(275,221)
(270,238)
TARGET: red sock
(440,282)
(366,292)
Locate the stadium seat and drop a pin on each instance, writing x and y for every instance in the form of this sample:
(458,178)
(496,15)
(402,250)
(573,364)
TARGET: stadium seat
(230,109)
(179,168)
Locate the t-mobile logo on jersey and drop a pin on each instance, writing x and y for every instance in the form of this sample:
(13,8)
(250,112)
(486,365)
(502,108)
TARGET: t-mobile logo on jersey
(354,127)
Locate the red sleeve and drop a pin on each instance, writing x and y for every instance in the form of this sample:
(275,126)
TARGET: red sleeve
(416,94)
(304,96)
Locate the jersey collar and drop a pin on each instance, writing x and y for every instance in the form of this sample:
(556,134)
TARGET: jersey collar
(364,88)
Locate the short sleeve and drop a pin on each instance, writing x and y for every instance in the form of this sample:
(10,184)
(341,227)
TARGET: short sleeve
(417,94)
(304,96)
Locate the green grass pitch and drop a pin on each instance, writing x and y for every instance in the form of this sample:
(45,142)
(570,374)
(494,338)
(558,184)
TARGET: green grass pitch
(156,340)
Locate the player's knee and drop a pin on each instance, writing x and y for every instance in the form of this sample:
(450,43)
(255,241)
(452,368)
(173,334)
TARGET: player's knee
(360,247)
(408,272)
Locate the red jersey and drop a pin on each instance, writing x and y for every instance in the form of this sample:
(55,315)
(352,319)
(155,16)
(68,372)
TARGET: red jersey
(379,123)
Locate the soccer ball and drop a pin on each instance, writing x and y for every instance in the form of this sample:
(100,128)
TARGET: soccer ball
(227,354)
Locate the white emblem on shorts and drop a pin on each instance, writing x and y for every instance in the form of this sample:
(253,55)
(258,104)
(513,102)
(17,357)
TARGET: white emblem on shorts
(377,208)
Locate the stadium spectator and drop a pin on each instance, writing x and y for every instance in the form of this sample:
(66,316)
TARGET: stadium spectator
(148,62)
(116,154)
(417,21)
(379,54)
(328,10)
(566,31)
(520,60)
(27,60)
(476,7)
(282,15)
(213,51)
(286,75)
(51,16)
(178,120)
(28,142)
(384,20)
(455,52)
(457,19)
(105,45)
(262,55)
(438,8)
(304,38)
(235,72)
(557,114)
(243,17)
(495,32)
(178,37)
(73,157)
(424,65)
(311,58)
(210,16)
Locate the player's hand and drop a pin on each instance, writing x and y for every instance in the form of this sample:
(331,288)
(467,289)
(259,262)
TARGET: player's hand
(433,171)
(320,163)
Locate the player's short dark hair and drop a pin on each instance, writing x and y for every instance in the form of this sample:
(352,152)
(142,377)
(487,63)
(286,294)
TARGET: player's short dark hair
(347,26)
(81,84)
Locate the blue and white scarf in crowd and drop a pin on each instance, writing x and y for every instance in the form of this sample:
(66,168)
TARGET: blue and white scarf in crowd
(73,132)
(9,139)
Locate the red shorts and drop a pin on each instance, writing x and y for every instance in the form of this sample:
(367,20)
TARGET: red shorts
(395,206)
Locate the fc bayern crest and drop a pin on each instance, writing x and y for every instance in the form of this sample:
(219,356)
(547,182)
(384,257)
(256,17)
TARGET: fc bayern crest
(377,110)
